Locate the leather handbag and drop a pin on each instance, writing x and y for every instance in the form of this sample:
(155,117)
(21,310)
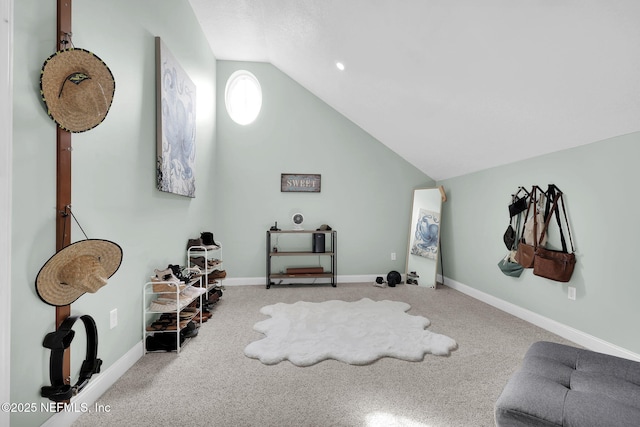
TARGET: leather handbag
(552,264)
(526,252)
(518,204)
(508,264)
(509,237)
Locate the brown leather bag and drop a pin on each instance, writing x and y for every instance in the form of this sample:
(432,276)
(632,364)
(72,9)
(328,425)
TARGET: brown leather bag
(526,252)
(551,264)
(554,265)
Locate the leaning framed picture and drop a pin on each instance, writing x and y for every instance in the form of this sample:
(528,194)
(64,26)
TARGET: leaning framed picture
(175,125)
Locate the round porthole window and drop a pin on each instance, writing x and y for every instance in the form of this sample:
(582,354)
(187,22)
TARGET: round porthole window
(243,97)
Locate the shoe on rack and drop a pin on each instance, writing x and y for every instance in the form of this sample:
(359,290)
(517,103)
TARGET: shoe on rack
(194,243)
(179,273)
(218,274)
(199,261)
(161,307)
(164,276)
(199,318)
(168,287)
(213,262)
(156,344)
(207,239)
(194,272)
(193,292)
(190,330)
(163,341)
(168,305)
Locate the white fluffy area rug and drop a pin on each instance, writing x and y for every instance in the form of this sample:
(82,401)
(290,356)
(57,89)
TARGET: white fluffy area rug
(357,333)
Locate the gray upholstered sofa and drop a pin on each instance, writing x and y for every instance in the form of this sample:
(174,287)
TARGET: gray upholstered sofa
(559,385)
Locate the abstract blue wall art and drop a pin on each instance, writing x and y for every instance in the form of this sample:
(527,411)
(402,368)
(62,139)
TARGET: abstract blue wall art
(175,125)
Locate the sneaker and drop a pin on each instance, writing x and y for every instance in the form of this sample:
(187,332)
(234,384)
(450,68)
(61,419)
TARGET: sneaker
(164,276)
(194,272)
(192,292)
(380,282)
(178,272)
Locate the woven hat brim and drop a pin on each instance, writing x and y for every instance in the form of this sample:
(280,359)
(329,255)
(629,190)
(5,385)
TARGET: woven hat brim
(49,288)
(86,104)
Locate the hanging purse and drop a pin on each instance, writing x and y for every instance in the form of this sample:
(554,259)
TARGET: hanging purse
(551,264)
(508,265)
(510,268)
(515,209)
(526,252)
(518,204)
(509,236)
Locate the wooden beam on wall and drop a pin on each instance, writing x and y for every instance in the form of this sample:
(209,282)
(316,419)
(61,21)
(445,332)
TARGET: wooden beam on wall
(63,174)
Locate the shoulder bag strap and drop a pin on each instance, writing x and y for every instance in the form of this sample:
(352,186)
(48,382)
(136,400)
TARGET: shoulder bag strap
(552,191)
(532,202)
(554,208)
(518,232)
(564,211)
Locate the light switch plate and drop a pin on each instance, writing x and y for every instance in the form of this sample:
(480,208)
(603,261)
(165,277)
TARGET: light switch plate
(113,318)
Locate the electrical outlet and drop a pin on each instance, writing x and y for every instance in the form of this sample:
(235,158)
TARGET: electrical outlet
(113,318)
(393,256)
(572,293)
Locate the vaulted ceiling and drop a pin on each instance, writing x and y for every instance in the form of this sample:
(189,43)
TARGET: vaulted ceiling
(452,86)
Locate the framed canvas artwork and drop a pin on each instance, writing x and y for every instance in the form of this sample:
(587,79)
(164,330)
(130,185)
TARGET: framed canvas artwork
(175,125)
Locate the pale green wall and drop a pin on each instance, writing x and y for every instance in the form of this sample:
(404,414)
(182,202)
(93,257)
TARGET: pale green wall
(113,186)
(366,188)
(599,181)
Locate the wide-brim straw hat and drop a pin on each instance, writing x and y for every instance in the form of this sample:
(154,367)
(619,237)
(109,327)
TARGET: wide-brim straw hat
(77,88)
(81,267)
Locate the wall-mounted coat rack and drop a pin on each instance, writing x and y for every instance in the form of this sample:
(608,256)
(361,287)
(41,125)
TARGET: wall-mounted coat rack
(63,174)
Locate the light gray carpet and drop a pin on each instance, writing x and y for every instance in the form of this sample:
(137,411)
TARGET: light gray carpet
(212,383)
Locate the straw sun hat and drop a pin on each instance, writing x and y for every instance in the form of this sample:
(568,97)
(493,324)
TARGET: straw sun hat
(77,88)
(81,267)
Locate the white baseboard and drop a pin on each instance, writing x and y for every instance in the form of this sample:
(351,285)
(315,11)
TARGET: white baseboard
(99,384)
(583,339)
